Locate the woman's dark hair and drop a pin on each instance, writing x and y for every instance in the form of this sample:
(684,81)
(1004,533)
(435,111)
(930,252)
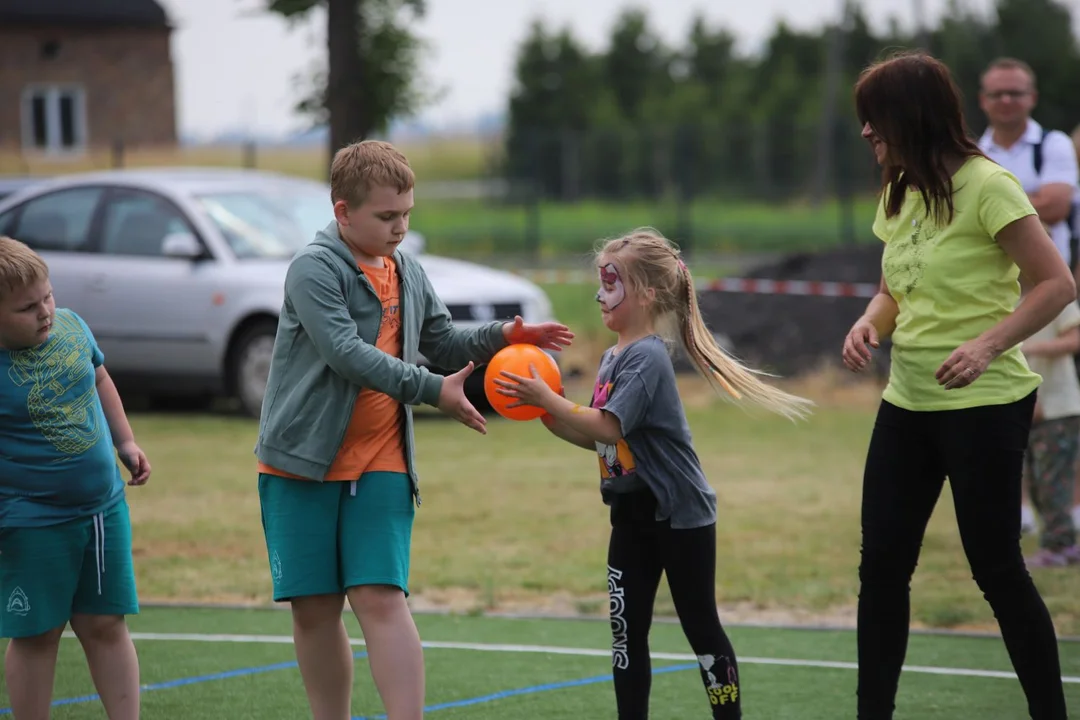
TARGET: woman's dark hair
(912,103)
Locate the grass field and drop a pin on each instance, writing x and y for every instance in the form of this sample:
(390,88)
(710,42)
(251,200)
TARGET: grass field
(513,521)
(456,158)
(240,665)
(477,228)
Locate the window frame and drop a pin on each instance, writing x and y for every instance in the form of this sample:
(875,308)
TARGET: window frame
(89,246)
(52,93)
(117,193)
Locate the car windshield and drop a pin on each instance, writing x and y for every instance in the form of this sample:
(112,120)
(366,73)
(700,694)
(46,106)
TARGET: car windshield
(269,222)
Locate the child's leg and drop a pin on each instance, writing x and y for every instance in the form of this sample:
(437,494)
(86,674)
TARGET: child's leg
(690,563)
(300,521)
(634,567)
(324,655)
(39,573)
(105,595)
(29,670)
(393,644)
(376,537)
(1053,448)
(114,665)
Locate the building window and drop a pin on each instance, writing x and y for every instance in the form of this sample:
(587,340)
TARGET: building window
(54,118)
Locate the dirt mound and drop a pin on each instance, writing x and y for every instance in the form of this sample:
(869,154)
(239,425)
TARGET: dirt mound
(792,334)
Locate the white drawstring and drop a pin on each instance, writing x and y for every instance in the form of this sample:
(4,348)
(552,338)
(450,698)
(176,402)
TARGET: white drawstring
(352,488)
(99,546)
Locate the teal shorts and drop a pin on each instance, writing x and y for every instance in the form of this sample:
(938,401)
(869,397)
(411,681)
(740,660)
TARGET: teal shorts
(80,567)
(325,537)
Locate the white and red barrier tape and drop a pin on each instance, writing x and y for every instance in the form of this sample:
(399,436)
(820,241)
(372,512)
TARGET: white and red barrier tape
(817,288)
(758,286)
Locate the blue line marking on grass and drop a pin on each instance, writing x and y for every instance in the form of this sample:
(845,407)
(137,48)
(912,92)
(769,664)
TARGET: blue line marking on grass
(181,682)
(534,689)
(243,672)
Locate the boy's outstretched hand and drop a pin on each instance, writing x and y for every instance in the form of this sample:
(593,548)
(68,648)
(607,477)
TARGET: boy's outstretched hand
(549,335)
(452,401)
(135,461)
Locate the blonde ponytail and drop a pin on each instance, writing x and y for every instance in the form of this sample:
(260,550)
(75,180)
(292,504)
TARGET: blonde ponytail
(723,371)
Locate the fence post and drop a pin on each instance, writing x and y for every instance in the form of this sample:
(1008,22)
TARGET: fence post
(532,221)
(534,189)
(118,153)
(686,138)
(842,179)
(249,154)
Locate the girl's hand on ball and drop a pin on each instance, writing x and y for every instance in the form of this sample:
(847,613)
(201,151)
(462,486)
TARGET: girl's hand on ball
(526,390)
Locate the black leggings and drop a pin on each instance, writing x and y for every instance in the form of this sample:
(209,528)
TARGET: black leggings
(640,549)
(981,450)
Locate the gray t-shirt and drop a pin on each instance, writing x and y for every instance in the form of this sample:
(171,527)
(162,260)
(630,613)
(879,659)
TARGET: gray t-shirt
(637,385)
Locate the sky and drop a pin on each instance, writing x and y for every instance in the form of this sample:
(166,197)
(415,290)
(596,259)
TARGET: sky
(235,64)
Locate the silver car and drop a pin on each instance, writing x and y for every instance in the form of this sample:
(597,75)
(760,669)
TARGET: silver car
(180,272)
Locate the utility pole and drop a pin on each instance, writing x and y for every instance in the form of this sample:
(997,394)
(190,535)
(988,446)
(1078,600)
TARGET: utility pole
(834,65)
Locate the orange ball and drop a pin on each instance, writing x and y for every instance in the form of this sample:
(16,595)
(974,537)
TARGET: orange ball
(516,359)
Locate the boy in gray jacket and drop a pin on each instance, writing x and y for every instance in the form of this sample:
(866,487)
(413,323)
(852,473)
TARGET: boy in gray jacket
(337,479)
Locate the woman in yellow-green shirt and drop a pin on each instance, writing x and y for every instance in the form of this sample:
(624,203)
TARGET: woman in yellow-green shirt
(958,229)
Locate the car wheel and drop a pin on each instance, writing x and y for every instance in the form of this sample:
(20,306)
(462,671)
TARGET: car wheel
(250,366)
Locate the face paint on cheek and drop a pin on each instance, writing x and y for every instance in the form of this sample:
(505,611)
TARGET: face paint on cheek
(610,299)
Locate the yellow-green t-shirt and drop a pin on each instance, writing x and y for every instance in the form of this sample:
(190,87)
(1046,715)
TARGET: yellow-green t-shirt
(951,284)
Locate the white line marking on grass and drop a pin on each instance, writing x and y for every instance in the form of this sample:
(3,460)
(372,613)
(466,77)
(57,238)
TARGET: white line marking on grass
(580,652)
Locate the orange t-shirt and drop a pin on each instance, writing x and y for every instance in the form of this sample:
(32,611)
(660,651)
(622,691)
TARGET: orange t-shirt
(373,441)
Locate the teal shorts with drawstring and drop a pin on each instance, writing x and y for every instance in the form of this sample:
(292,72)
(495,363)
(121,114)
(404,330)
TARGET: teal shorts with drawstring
(80,567)
(323,538)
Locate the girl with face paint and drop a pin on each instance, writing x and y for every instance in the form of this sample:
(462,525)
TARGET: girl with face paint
(612,292)
(662,509)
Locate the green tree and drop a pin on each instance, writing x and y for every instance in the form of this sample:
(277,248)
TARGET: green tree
(710,56)
(635,62)
(549,108)
(641,119)
(372,71)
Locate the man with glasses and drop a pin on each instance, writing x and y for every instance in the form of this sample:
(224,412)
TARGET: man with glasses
(1043,160)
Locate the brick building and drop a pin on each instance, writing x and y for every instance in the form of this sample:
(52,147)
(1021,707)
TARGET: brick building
(80,74)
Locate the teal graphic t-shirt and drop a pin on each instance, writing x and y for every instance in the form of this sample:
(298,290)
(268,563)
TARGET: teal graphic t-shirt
(57,461)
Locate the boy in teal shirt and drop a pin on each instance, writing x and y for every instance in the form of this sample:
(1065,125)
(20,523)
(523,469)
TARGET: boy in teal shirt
(65,532)
(337,481)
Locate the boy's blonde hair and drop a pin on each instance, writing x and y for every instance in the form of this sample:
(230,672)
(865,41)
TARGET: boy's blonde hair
(362,166)
(649,260)
(19,266)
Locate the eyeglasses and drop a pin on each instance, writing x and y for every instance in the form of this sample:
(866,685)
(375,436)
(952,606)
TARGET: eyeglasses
(1011,94)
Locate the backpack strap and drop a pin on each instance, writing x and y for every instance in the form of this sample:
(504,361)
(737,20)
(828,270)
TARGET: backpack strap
(1074,237)
(1037,152)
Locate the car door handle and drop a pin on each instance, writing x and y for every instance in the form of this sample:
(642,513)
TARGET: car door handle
(98,283)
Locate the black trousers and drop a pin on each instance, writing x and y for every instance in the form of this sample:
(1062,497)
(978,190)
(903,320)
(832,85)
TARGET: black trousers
(639,551)
(981,450)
